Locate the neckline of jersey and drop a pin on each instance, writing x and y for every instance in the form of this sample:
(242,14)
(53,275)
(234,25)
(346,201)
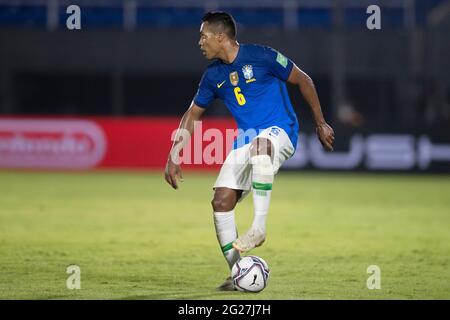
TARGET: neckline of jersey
(237,56)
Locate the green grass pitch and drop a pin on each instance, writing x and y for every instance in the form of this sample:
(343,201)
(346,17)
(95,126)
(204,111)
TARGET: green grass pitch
(136,238)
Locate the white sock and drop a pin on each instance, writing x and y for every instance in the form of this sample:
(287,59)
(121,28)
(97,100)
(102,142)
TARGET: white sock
(262,180)
(226,234)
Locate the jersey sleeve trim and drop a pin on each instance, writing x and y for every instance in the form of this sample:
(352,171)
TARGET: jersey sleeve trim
(289,67)
(201,105)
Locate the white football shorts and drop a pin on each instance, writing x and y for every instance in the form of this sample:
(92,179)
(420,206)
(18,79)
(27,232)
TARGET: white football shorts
(236,171)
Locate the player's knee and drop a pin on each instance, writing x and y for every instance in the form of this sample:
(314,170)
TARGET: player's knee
(262,165)
(222,205)
(223,202)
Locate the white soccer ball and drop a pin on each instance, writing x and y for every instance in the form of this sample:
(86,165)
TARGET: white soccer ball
(250,274)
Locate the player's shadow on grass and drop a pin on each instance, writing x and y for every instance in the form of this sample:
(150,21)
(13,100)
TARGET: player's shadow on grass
(181,295)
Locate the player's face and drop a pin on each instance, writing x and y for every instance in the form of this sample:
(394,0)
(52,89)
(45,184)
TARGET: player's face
(209,43)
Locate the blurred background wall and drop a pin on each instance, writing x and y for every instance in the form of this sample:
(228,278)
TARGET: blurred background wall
(141,58)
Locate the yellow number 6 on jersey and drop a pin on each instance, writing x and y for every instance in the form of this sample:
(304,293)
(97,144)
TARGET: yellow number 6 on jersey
(239,96)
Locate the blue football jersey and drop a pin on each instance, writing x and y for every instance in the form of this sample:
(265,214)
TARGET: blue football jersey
(253,88)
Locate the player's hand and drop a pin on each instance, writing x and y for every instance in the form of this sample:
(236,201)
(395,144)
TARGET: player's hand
(326,135)
(172,173)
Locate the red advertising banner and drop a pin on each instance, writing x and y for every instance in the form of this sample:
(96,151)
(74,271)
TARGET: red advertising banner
(86,143)
(99,142)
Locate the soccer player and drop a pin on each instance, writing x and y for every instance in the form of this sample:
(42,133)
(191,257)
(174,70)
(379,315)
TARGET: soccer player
(250,79)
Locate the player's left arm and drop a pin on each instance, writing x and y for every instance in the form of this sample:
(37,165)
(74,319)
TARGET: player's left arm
(308,91)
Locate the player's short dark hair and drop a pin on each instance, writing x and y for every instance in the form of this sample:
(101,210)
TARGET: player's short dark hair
(222,20)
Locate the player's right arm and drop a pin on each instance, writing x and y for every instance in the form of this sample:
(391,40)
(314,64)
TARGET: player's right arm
(184,132)
(205,94)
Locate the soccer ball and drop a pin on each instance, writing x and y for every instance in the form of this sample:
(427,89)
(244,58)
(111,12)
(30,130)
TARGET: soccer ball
(250,274)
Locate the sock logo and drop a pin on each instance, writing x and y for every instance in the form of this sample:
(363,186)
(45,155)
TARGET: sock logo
(261,193)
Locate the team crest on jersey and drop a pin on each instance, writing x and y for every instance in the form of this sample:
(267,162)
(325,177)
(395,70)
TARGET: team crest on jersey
(234,78)
(247,70)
